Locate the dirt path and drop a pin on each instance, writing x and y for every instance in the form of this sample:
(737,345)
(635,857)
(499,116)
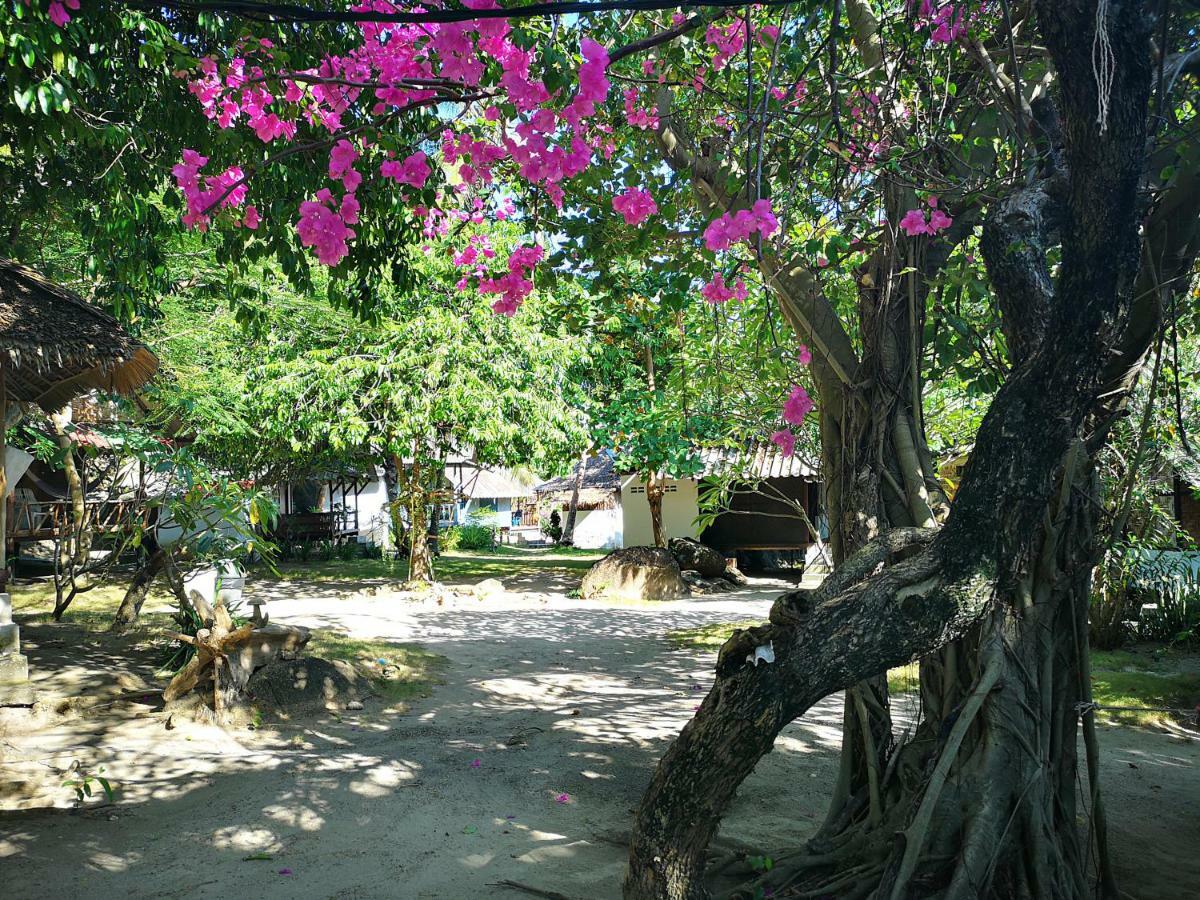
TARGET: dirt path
(553,697)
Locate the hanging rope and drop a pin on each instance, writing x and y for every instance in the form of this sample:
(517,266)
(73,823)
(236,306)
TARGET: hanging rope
(1103,61)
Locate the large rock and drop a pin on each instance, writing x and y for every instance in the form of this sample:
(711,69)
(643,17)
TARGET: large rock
(701,585)
(305,687)
(635,573)
(694,556)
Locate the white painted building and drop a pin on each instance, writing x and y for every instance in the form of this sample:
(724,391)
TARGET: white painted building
(612,510)
(354,503)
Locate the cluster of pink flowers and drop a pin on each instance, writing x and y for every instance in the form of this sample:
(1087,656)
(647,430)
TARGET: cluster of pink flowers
(915,223)
(515,286)
(798,93)
(726,230)
(213,193)
(326,228)
(785,440)
(409,66)
(636,205)
(636,116)
(716,291)
(946,22)
(798,405)
(58,11)
(729,39)
(342,158)
(412,170)
(478,249)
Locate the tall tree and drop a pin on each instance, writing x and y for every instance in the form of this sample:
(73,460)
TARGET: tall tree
(847,153)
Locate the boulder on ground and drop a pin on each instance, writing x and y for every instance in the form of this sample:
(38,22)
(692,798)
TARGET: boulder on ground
(635,573)
(694,556)
(734,576)
(488,588)
(701,585)
(305,687)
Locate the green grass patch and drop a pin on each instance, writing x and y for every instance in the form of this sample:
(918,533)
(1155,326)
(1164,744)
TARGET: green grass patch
(408,672)
(92,610)
(1145,679)
(1149,680)
(411,671)
(456,565)
(707,637)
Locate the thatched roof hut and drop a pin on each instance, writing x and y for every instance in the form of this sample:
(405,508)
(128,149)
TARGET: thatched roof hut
(55,346)
(600,488)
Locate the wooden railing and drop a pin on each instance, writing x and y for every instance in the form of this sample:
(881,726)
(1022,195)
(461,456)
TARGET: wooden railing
(42,520)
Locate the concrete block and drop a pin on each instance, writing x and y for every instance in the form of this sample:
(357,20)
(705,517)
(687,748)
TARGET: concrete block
(16,694)
(14,669)
(10,639)
(5,609)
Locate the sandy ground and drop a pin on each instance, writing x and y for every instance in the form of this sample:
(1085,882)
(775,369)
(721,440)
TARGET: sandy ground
(553,696)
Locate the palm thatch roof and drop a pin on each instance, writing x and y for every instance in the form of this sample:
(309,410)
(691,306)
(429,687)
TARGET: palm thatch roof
(599,475)
(55,346)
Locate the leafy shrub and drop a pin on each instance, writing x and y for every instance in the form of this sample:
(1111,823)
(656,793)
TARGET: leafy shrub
(552,528)
(471,536)
(1145,594)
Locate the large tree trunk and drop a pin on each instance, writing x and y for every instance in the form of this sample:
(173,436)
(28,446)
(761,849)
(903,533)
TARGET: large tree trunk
(74,540)
(654,499)
(568,532)
(983,804)
(420,561)
(139,589)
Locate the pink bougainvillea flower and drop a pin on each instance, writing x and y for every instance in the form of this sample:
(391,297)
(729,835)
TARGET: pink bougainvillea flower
(58,11)
(251,219)
(804,355)
(797,406)
(915,223)
(786,441)
(637,116)
(414,170)
(341,158)
(726,230)
(636,205)
(716,290)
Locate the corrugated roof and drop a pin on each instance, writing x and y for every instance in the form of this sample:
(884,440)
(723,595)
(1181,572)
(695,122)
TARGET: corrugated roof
(475,482)
(758,460)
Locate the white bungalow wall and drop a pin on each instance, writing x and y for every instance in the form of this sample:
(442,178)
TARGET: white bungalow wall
(598,529)
(679,511)
(372,511)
